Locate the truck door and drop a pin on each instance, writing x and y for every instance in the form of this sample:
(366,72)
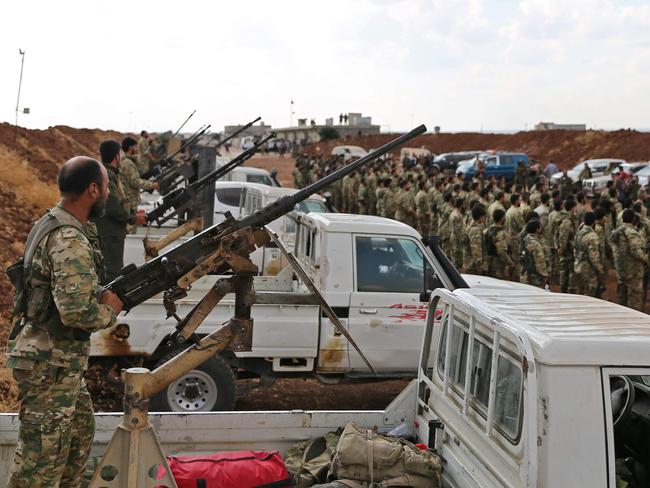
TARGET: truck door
(386,317)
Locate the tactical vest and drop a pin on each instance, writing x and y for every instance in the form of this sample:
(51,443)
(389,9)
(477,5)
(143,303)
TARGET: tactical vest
(527,259)
(32,300)
(490,238)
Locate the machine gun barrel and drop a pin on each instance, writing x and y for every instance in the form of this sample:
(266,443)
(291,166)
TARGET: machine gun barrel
(183,124)
(237,132)
(169,162)
(180,198)
(137,284)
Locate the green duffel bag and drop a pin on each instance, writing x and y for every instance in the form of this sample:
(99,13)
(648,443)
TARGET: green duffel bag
(364,456)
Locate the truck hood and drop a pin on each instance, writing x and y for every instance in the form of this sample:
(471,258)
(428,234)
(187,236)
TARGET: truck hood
(485,282)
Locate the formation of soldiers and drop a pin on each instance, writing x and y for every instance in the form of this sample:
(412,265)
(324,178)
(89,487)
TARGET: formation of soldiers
(519,230)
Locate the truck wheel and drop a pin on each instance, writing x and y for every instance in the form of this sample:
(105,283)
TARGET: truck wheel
(210,387)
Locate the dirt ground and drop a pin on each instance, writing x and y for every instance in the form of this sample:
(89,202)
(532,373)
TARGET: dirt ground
(29,162)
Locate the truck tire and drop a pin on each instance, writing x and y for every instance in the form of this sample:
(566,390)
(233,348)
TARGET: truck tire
(210,387)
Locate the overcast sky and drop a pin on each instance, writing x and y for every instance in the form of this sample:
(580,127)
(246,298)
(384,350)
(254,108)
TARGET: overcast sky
(460,64)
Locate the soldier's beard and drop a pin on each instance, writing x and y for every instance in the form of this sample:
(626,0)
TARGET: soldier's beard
(97,210)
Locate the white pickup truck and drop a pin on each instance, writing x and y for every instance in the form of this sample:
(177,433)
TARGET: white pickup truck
(370,270)
(516,388)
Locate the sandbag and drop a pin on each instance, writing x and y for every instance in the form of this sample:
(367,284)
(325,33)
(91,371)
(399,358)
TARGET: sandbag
(365,456)
(244,469)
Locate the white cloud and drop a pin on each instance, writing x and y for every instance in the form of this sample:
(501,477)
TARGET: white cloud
(461,64)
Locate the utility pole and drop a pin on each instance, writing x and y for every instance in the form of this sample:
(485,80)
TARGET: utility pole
(291,114)
(20,82)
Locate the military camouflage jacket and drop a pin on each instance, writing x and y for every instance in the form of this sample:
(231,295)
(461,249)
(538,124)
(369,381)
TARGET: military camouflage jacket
(143,159)
(587,251)
(67,259)
(132,183)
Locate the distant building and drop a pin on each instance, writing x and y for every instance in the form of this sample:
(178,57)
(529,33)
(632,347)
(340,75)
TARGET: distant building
(350,124)
(255,130)
(554,126)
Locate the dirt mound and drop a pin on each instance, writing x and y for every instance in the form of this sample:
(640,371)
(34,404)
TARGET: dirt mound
(29,164)
(566,148)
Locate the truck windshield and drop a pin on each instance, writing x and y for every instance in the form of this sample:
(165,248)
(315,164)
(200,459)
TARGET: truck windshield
(390,265)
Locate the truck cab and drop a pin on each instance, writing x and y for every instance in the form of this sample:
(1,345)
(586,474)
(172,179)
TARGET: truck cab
(535,389)
(375,273)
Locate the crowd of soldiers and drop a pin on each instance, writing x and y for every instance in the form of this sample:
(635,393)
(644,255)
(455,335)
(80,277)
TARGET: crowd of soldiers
(519,230)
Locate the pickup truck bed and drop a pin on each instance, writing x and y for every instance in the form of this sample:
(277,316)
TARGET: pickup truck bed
(207,432)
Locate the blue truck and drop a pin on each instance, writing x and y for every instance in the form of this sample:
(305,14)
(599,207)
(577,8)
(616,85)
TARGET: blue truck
(497,164)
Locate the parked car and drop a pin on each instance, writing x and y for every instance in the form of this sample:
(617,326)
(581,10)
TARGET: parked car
(349,152)
(593,186)
(498,165)
(447,162)
(597,166)
(644,176)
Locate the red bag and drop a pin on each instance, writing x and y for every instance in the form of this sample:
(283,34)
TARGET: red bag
(244,469)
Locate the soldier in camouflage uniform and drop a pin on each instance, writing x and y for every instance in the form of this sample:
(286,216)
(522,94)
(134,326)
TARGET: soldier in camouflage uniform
(589,272)
(534,269)
(514,224)
(423,208)
(566,185)
(630,260)
(58,303)
(474,250)
(456,232)
(371,183)
(405,204)
(499,202)
(144,153)
(363,196)
(130,179)
(443,223)
(111,226)
(566,231)
(497,247)
(380,194)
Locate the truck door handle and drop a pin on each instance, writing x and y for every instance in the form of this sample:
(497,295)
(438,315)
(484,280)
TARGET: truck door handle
(368,311)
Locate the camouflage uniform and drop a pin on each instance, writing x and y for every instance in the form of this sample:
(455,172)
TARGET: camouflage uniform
(588,261)
(362,198)
(564,248)
(389,203)
(371,183)
(144,161)
(131,185)
(456,232)
(435,204)
(49,354)
(444,229)
(381,202)
(534,269)
(514,224)
(497,246)
(630,260)
(473,250)
(490,211)
(405,207)
(422,209)
(566,186)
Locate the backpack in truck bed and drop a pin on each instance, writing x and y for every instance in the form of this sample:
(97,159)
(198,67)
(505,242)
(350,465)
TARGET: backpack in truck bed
(366,457)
